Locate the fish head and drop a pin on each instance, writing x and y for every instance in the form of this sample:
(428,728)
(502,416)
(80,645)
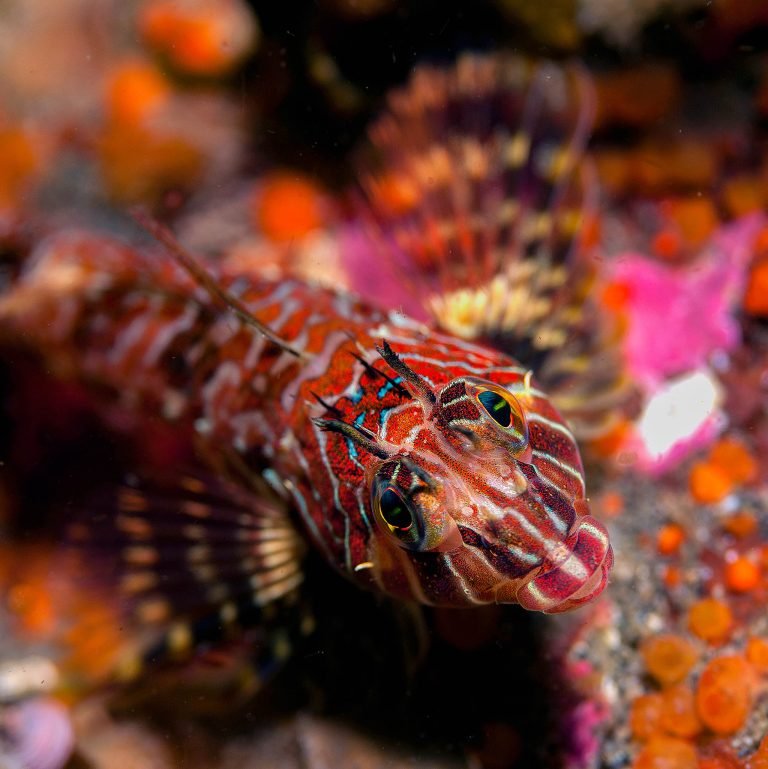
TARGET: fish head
(485,503)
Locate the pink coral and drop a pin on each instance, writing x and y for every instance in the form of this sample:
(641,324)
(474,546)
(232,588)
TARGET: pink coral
(585,727)
(679,316)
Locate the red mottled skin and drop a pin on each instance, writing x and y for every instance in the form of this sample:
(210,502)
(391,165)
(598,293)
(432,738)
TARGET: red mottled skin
(495,517)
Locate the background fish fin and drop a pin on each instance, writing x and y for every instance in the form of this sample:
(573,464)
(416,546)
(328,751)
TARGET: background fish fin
(476,175)
(177,566)
(476,188)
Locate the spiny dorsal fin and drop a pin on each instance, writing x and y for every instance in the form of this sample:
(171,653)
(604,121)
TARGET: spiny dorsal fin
(479,169)
(198,273)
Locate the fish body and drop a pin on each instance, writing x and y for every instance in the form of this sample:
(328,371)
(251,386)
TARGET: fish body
(366,409)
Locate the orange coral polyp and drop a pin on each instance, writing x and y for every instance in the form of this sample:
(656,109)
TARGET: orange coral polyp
(679,717)
(710,620)
(668,658)
(666,753)
(741,524)
(743,195)
(673,576)
(756,296)
(696,218)
(734,459)
(203,38)
(742,575)
(757,655)
(611,503)
(198,46)
(288,207)
(670,538)
(135,91)
(724,694)
(709,483)
(667,244)
(645,716)
(615,296)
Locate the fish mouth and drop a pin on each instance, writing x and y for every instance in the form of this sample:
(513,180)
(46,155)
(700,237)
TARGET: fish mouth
(576,579)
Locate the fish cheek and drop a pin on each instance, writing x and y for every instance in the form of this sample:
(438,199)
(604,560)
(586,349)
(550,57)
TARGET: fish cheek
(442,530)
(391,566)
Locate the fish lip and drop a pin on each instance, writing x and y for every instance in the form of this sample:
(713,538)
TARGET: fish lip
(558,587)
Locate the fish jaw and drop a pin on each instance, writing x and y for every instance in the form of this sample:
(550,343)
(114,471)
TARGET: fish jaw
(577,579)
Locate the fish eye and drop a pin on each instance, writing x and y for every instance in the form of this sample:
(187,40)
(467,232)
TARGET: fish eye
(497,406)
(394,511)
(397,515)
(506,411)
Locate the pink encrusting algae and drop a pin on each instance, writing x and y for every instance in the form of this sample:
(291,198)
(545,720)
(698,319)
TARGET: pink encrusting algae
(679,316)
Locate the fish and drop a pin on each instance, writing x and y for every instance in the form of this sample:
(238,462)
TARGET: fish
(419,464)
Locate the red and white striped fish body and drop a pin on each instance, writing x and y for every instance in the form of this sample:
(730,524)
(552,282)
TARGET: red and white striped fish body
(421,465)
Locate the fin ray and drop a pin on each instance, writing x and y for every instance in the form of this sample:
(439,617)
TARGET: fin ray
(183,559)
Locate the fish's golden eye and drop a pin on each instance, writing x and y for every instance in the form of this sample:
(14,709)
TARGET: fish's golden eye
(410,518)
(394,511)
(496,405)
(505,410)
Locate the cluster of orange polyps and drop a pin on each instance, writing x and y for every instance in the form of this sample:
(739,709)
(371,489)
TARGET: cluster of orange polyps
(662,164)
(138,162)
(704,694)
(728,466)
(658,167)
(680,720)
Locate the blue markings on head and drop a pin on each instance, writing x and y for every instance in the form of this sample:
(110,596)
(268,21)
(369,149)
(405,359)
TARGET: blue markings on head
(387,386)
(351,447)
(356,397)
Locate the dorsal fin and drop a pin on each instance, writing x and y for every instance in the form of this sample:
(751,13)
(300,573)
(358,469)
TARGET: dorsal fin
(199,274)
(478,170)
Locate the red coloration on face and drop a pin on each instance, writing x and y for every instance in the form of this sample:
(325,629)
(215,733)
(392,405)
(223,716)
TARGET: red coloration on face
(496,516)
(489,476)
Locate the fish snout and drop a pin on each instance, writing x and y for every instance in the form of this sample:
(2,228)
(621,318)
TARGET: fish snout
(575,574)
